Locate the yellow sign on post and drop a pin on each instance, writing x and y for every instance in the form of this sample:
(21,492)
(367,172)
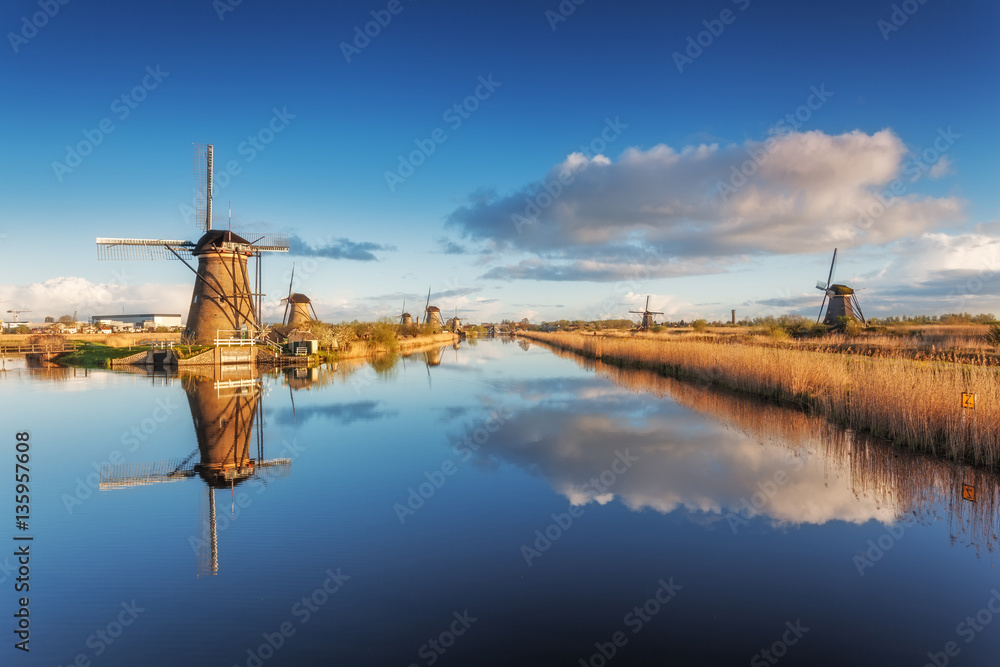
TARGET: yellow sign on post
(968,400)
(969,492)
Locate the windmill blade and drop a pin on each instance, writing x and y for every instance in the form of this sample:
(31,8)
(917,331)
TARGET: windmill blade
(647,303)
(857,306)
(821,305)
(829,278)
(142,249)
(139,474)
(269,242)
(288,299)
(203,186)
(428,304)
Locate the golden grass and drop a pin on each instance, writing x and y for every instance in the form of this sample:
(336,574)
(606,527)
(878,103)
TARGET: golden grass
(915,403)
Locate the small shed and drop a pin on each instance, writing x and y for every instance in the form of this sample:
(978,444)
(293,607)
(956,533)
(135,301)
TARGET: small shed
(302,342)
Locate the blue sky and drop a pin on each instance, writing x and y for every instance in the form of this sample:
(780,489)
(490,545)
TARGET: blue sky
(643,210)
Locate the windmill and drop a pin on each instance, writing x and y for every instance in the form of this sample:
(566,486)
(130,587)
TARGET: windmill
(647,316)
(843,302)
(455,323)
(404,317)
(225,413)
(223,298)
(432,314)
(300,306)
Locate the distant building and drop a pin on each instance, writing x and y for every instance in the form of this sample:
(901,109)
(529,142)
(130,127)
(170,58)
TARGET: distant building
(32,326)
(140,321)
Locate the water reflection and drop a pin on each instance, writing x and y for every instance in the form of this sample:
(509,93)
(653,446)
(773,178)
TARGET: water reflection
(227,411)
(750,459)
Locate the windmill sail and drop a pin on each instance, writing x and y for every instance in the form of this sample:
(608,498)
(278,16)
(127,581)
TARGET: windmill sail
(129,249)
(203,186)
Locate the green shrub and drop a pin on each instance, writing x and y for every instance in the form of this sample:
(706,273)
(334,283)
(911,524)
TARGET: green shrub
(993,335)
(700,325)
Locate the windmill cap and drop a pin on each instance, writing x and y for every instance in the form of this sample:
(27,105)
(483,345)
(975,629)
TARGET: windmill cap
(214,238)
(841,289)
(433,309)
(298,298)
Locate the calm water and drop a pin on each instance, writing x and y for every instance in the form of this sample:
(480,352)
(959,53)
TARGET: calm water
(491,505)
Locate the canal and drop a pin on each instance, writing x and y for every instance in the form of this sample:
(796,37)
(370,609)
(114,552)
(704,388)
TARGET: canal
(492,504)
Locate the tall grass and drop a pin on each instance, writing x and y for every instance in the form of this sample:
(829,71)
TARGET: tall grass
(914,403)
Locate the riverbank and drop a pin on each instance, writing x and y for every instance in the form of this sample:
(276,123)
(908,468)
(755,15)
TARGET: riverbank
(917,404)
(363,350)
(98,355)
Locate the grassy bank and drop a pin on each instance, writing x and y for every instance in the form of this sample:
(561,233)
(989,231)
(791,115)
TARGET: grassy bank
(915,403)
(95,355)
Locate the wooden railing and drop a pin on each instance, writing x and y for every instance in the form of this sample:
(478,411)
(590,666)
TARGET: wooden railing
(54,348)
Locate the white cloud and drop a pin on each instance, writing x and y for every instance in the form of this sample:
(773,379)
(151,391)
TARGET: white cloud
(685,212)
(65,294)
(941,168)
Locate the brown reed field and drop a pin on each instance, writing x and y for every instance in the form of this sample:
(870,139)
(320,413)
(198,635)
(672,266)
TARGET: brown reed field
(913,402)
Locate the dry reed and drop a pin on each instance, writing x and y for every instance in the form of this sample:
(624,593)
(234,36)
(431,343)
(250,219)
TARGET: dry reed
(914,403)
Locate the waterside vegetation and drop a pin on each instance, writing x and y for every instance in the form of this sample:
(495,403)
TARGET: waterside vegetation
(893,388)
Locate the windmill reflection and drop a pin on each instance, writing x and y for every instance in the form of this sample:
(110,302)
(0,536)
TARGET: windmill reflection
(225,413)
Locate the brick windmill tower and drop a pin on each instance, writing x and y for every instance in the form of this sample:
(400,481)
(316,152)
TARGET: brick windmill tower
(297,307)
(226,300)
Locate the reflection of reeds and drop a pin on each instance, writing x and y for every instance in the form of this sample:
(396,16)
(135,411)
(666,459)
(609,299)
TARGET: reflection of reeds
(917,404)
(912,484)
